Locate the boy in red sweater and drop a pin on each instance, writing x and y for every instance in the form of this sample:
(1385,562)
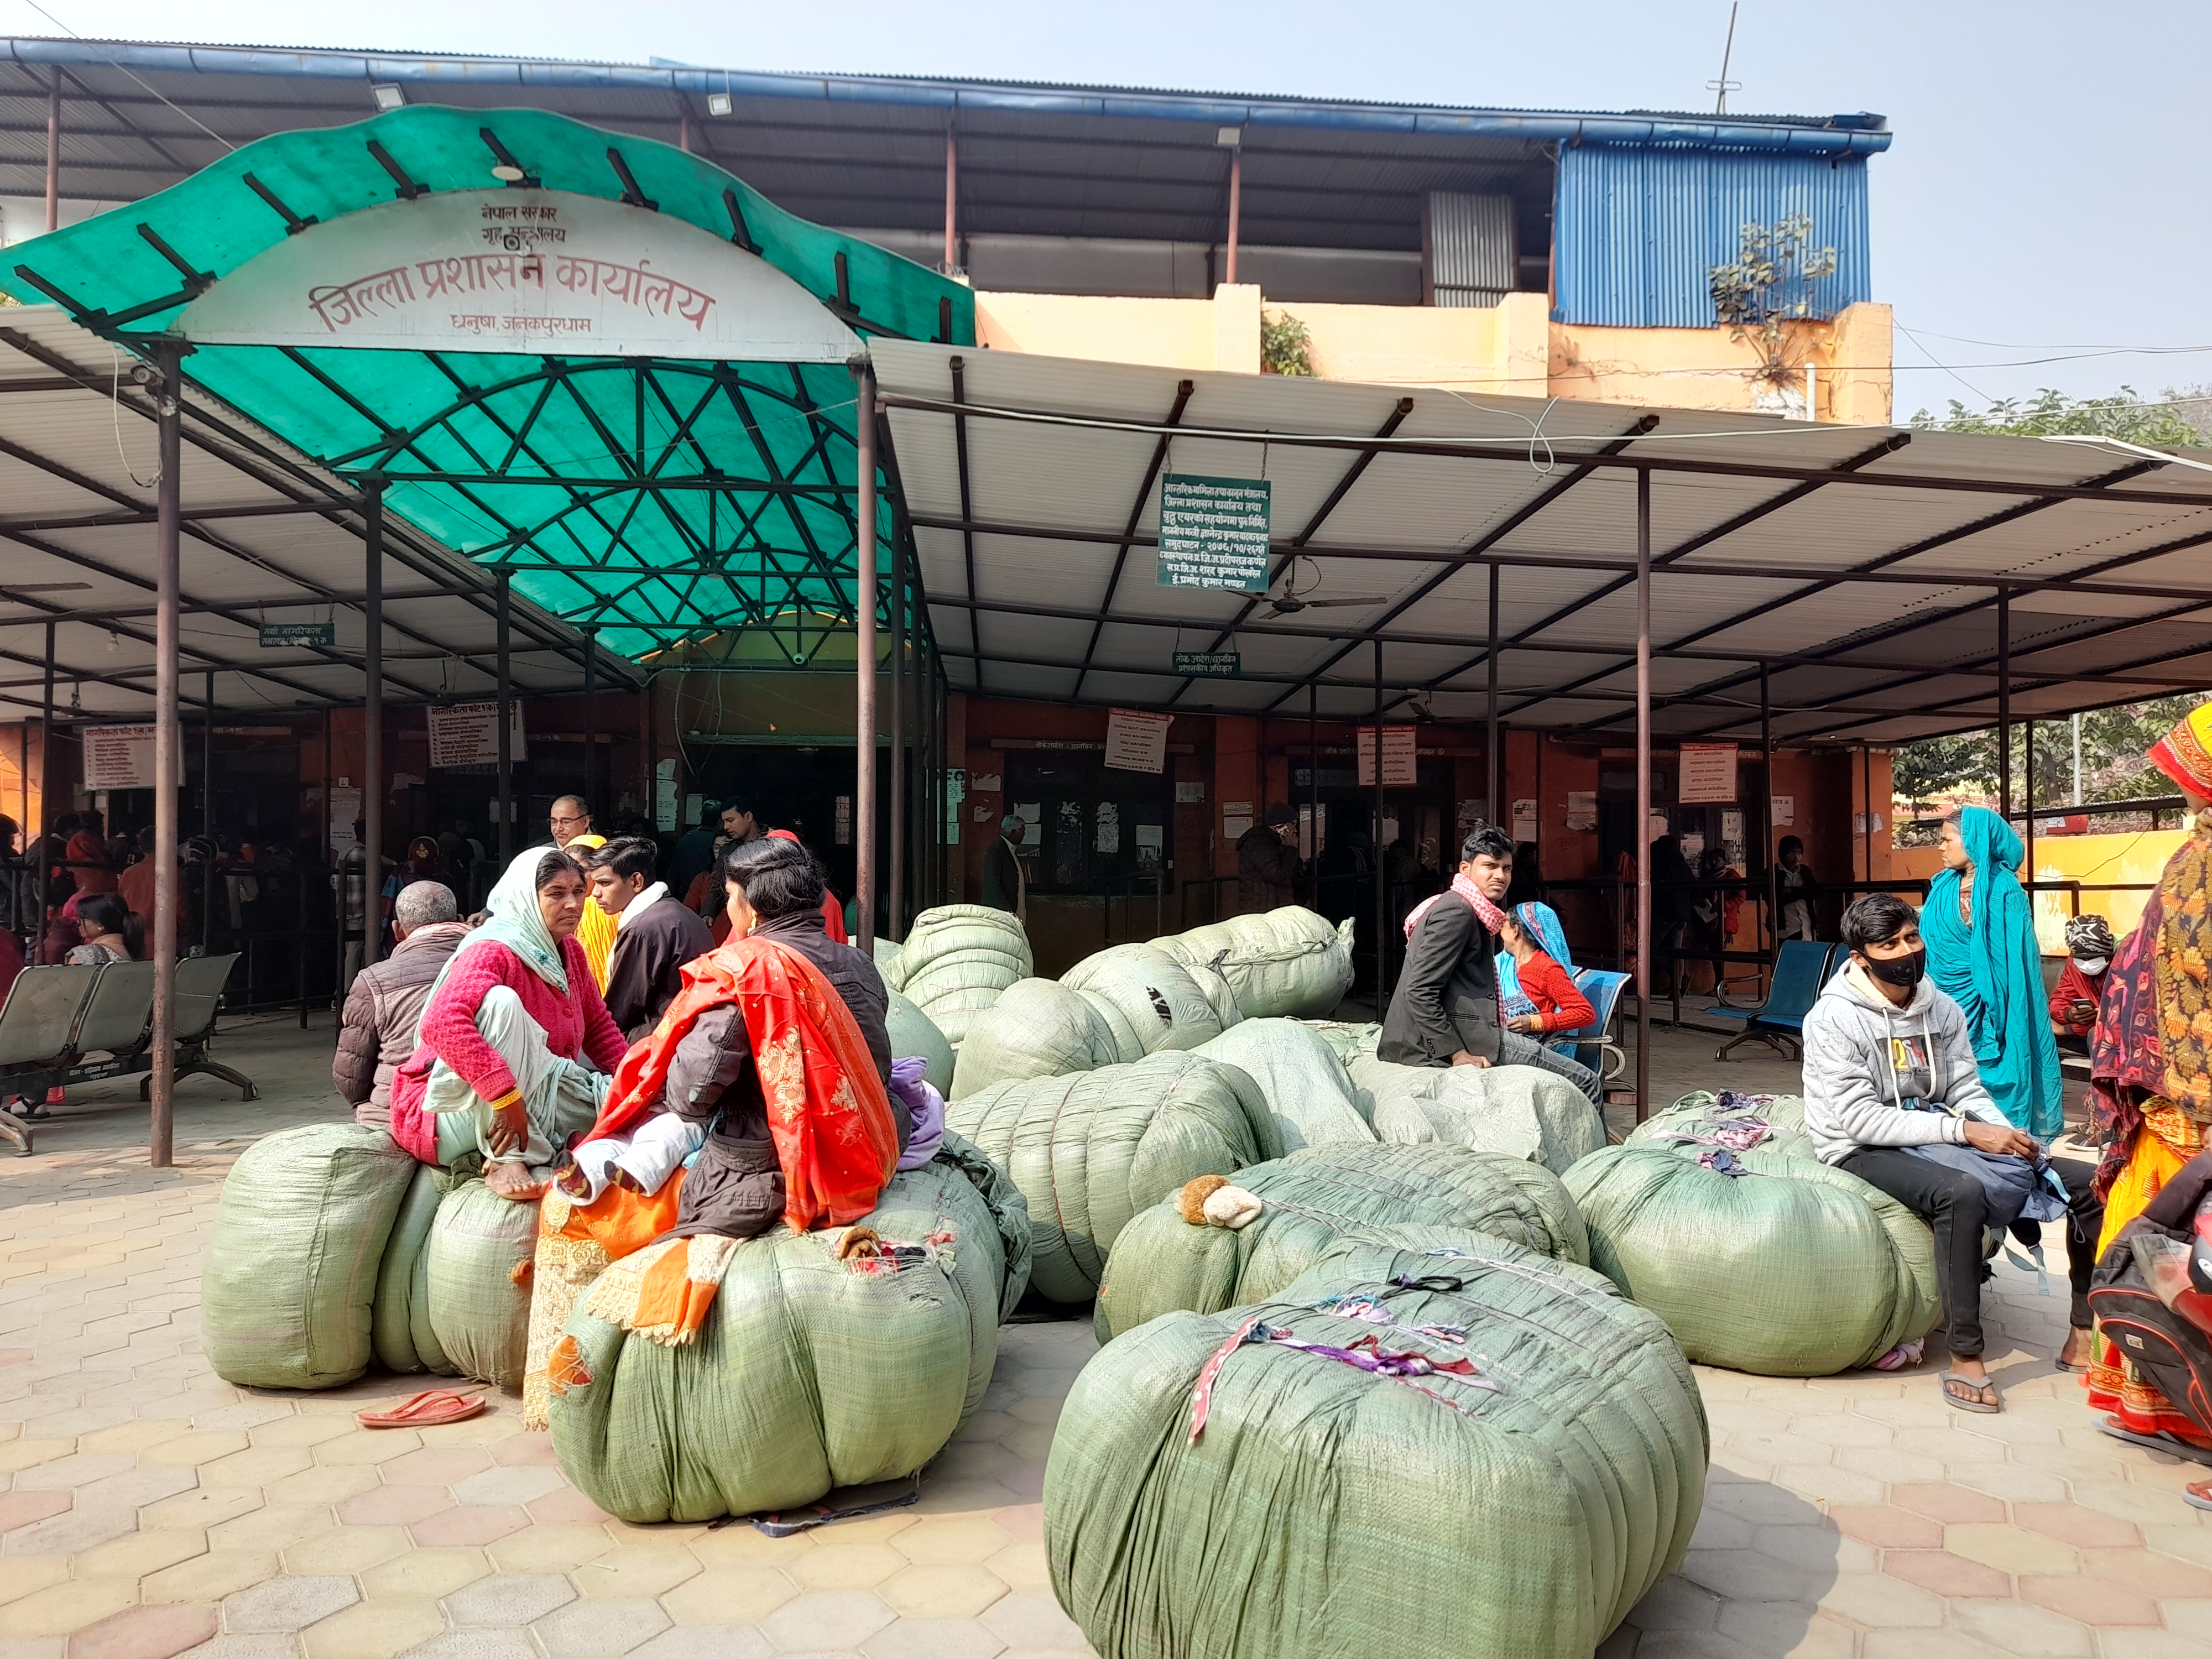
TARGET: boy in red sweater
(2074,999)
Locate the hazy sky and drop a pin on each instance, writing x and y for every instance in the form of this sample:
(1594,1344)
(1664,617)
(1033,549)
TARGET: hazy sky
(2045,193)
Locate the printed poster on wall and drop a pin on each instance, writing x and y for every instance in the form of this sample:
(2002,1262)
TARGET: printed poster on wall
(1399,756)
(1784,811)
(467,734)
(1708,774)
(1136,741)
(122,758)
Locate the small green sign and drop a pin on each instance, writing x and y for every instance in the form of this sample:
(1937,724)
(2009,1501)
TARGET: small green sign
(274,635)
(1214,533)
(1210,664)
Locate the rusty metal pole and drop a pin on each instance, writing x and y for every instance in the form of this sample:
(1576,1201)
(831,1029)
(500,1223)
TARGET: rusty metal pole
(1497,782)
(1770,937)
(1642,793)
(1236,215)
(1382,888)
(951,201)
(591,717)
(506,726)
(168,753)
(2004,703)
(372,720)
(895,833)
(54,153)
(863,620)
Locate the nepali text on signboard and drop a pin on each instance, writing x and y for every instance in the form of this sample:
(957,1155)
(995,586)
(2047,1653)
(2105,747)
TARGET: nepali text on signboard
(467,734)
(1214,533)
(1400,755)
(122,758)
(273,634)
(1136,741)
(1708,773)
(1210,664)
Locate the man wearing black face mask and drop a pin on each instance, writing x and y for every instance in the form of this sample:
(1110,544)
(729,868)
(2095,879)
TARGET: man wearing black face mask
(1889,1067)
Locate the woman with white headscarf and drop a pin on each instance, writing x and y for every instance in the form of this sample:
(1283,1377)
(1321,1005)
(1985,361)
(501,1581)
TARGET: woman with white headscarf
(516,1049)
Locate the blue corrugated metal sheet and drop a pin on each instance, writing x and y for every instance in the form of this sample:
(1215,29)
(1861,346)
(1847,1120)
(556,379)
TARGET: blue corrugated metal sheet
(1638,231)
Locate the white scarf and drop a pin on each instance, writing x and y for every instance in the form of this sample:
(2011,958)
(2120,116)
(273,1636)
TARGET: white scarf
(644,901)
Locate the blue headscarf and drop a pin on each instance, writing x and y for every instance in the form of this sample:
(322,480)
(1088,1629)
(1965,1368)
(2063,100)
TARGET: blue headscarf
(1542,924)
(1994,971)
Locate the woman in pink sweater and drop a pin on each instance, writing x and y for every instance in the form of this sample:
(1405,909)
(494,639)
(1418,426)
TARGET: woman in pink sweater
(516,1049)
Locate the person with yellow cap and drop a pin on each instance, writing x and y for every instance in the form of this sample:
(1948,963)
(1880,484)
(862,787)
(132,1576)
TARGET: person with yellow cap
(2150,1069)
(570,822)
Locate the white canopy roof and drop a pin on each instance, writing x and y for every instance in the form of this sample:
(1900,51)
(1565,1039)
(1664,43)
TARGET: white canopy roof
(1862,565)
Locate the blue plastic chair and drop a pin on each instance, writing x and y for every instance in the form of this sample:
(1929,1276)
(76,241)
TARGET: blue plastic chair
(1801,969)
(1593,1046)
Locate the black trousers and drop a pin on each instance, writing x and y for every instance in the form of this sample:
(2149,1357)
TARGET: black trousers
(1952,1202)
(2085,1220)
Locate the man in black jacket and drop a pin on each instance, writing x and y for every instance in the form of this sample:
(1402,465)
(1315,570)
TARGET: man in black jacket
(655,933)
(1445,1012)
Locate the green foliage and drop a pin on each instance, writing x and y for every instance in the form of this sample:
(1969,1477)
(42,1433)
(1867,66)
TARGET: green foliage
(2115,747)
(1770,284)
(2050,413)
(1286,345)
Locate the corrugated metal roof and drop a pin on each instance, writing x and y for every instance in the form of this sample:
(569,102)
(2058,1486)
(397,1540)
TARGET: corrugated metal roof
(1851,652)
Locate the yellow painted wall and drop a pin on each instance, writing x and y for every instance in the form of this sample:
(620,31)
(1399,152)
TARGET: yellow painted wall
(2139,857)
(1510,348)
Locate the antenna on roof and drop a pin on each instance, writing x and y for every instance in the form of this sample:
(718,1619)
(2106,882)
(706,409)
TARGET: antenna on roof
(1722,88)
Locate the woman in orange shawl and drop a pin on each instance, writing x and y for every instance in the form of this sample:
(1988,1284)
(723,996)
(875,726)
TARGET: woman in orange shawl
(776,1044)
(2150,1092)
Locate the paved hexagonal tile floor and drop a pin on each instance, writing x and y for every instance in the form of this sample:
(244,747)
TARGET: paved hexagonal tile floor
(147,1509)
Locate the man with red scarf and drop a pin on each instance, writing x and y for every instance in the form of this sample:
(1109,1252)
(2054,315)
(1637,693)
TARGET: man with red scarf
(1445,1012)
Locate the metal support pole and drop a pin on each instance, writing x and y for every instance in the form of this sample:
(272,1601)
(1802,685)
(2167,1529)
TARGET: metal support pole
(372,721)
(45,804)
(2076,796)
(506,728)
(1866,789)
(207,768)
(1490,658)
(2004,702)
(1313,787)
(1236,213)
(895,830)
(2028,779)
(951,201)
(592,714)
(1768,936)
(168,753)
(54,153)
(1642,794)
(1381,891)
(864,713)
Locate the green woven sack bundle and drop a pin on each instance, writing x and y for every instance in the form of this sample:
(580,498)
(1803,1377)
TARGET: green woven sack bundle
(1289,961)
(1795,1269)
(915,1034)
(1303,1082)
(1326,1510)
(400,1325)
(1433,1197)
(481,1251)
(1037,1028)
(1519,1110)
(810,1372)
(956,960)
(1700,1114)
(1088,1152)
(289,1279)
(1151,1001)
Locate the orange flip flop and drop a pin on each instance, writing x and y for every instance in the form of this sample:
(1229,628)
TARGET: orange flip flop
(425,1410)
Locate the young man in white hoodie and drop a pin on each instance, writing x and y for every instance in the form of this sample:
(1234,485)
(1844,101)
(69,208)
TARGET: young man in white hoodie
(1889,1067)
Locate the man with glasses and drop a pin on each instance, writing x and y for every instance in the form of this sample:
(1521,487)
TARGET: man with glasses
(571,823)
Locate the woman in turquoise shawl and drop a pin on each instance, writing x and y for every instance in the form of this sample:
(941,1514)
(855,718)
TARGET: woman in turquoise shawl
(1543,925)
(1982,952)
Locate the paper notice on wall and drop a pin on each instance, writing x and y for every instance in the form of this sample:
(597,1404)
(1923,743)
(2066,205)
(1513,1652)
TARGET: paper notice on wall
(1150,836)
(1189,791)
(467,734)
(1031,813)
(1470,813)
(1399,756)
(1708,774)
(1235,824)
(1524,820)
(1581,809)
(1136,741)
(1109,827)
(1866,823)
(122,758)
(345,812)
(1732,832)
(1785,811)
(988,783)
(1693,846)
(844,821)
(664,805)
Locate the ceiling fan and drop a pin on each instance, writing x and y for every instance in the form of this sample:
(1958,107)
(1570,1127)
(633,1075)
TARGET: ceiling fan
(1292,602)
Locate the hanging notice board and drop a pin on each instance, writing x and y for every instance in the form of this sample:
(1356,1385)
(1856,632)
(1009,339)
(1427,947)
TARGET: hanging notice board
(1214,533)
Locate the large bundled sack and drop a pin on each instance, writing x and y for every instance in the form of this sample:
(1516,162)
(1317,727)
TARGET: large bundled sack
(1728,1119)
(1089,1150)
(400,1325)
(915,1034)
(957,959)
(1521,1111)
(813,1370)
(478,1266)
(890,962)
(1433,1198)
(1227,1484)
(1790,1269)
(1113,1007)
(1289,961)
(1304,1083)
(289,1279)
